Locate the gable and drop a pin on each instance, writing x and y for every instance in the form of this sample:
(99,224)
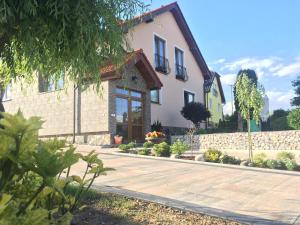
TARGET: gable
(174,9)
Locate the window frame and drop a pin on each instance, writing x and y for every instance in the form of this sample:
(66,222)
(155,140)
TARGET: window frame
(7,97)
(158,97)
(189,93)
(49,85)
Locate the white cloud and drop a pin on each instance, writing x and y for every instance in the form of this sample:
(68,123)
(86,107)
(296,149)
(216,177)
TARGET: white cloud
(228,79)
(260,64)
(280,99)
(227,108)
(289,70)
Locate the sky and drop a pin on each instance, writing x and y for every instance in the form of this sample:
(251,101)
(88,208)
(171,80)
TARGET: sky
(263,35)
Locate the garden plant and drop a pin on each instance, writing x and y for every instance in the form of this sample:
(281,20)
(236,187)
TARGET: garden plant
(35,174)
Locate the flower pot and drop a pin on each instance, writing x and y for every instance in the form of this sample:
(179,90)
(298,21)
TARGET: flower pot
(118,139)
(156,140)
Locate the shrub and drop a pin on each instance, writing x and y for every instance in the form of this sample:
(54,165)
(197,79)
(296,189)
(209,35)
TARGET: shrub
(259,160)
(144,151)
(195,112)
(127,147)
(290,164)
(162,149)
(212,155)
(148,144)
(156,126)
(227,159)
(31,188)
(294,119)
(124,147)
(179,147)
(272,164)
(285,155)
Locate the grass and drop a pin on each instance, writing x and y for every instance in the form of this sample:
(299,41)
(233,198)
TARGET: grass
(112,209)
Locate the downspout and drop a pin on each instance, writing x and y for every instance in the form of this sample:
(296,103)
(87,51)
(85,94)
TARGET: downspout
(74,113)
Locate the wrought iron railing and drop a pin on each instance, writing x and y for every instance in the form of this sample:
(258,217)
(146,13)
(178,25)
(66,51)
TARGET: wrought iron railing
(162,64)
(181,73)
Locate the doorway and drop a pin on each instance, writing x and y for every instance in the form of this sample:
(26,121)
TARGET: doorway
(129,114)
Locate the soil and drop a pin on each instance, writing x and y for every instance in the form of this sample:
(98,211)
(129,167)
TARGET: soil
(110,209)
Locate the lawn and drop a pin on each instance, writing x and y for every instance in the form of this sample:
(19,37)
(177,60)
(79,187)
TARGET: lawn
(110,209)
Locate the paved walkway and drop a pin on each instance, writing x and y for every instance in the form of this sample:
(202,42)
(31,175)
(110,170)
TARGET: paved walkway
(247,196)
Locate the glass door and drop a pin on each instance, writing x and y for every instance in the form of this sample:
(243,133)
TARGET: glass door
(129,115)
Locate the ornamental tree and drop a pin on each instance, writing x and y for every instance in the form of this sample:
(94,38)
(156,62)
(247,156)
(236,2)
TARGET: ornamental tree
(294,119)
(195,112)
(73,36)
(251,74)
(250,99)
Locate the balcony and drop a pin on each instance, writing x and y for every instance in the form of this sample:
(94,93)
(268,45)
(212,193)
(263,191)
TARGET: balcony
(181,73)
(162,64)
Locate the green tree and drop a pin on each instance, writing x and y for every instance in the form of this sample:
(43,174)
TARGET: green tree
(195,112)
(251,74)
(296,100)
(294,119)
(73,36)
(251,103)
(278,120)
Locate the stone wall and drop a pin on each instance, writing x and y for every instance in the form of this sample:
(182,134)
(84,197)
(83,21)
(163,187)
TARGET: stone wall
(276,140)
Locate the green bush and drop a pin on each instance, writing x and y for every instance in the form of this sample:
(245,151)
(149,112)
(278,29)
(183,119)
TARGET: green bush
(294,119)
(259,160)
(273,164)
(179,147)
(31,187)
(285,155)
(162,149)
(124,147)
(212,155)
(148,144)
(227,159)
(288,160)
(144,151)
(131,145)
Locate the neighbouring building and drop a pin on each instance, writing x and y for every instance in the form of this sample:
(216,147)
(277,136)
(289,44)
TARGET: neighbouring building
(215,98)
(163,71)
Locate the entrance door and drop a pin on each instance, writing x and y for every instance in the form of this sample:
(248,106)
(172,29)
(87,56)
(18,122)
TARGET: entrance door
(129,115)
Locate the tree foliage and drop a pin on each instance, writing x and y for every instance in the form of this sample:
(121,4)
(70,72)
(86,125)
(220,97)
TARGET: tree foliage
(278,120)
(195,112)
(296,100)
(73,36)
(294,119)
(251,74)
(251,103)
(32,190)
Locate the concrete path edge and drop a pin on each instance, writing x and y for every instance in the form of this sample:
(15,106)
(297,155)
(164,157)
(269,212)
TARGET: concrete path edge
(284,172)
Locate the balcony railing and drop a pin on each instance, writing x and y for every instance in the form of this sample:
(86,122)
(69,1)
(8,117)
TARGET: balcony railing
(162,64)
(181,73)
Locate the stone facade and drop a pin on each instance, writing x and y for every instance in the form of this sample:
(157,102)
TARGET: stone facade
(276,140)
(95,112)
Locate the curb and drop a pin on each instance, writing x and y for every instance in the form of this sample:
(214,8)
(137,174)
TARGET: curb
(263,170)
(188,207)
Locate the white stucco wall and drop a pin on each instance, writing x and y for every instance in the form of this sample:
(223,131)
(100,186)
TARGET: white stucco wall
(172,97)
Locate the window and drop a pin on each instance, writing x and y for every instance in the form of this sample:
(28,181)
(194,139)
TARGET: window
(161,63)
(49,84)
(178,57)
(155,96)
(7,93)
(188,97)
(210,103)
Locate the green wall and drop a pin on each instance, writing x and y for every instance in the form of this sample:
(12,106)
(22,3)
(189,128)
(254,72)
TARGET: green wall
(214,103)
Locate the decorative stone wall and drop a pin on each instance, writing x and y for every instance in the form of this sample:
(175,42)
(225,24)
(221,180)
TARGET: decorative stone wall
(194,141)
(275,140)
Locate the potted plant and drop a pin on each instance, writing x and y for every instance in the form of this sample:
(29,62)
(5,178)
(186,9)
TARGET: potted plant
(118,139)
(155,137)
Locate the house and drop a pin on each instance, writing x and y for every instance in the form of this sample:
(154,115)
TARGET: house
(215,98)
(164,70)
(168,43)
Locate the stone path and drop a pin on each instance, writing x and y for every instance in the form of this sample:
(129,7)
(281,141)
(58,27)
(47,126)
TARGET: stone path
(248,196)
